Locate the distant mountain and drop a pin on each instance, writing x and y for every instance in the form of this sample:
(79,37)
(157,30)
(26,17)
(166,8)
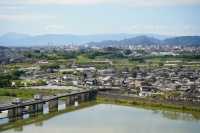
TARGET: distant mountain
(183,40)
(13,35)
(3,48)
(15,39)
(146,40)
(139,40)
(21,40)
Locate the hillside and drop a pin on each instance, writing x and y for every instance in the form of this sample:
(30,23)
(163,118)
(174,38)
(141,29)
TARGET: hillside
(145,40)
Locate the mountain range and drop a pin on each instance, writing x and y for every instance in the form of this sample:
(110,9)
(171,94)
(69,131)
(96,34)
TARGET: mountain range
(24,40)
(146,40)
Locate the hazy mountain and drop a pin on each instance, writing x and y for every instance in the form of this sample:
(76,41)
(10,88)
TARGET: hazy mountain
(15,39)
(2,48)
(20,40)
(141,40)
(138,40)
(12,35)
(146,40)
(183,40)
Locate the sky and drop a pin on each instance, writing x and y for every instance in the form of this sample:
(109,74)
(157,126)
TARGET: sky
(166,17)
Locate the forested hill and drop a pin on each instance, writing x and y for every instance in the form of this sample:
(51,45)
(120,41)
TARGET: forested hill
(145,40)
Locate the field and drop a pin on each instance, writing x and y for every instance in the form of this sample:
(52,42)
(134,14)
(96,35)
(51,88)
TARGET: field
(8,94)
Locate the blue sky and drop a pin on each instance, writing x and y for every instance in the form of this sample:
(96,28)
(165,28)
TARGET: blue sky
(167,17)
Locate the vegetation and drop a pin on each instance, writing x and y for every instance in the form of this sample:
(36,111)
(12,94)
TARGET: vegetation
(6,78)
(42,117)
(148,104)
(26,93)
(49,66)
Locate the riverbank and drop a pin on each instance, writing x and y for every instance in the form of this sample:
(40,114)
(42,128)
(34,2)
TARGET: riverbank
(42,117)
(147,104)
(102,99)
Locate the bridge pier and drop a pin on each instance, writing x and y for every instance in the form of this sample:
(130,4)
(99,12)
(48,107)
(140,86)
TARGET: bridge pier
(92,95)
(17,107)
(15,112)
(71,100)
(67,102)
(83,97)
(87,96)
(36,108)
(53,105)
(79,98)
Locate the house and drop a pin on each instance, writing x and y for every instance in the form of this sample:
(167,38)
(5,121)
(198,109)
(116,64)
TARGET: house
(38,97)
(146,91)
(106,81)
(13,84)
(125,83)
(42,62)
(88,72)
(91,81)
(107,72)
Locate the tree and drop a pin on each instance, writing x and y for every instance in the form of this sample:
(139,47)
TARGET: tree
(5,80)
(49,66)
(16,74)
(127,52)
(160,64)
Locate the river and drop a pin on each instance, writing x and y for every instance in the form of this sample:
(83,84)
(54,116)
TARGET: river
(108,118)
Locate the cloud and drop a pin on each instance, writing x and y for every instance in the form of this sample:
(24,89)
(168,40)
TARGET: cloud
(152,3)
(162,29)
(69,2)
(23,17)
(60,2)
(14,17)
(54,27)
(93,2)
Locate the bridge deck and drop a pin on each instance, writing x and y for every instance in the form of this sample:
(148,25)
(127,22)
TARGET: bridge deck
(45,99)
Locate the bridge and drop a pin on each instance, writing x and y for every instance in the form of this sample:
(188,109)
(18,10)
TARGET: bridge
(36,105)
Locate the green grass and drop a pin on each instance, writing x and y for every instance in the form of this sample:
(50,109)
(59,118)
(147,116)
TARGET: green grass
(6,93)
(82,59)
(149,105)
(195,113)
(5,98)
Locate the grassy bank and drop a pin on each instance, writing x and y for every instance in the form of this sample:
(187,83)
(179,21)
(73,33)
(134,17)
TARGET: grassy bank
(9,93)
(194,111)
(42,117)
(150,105)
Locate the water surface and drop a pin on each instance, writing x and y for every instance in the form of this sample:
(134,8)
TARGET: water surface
(107,118)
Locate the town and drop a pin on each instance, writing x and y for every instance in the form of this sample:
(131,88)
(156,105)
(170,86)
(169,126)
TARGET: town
(99,66)
(158,72)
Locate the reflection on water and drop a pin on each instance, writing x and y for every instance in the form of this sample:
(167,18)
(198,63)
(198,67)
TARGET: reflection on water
(106,118)
(173,115)
(4,115)
(46,108)
(61,105)
(18,129)
(179,116)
